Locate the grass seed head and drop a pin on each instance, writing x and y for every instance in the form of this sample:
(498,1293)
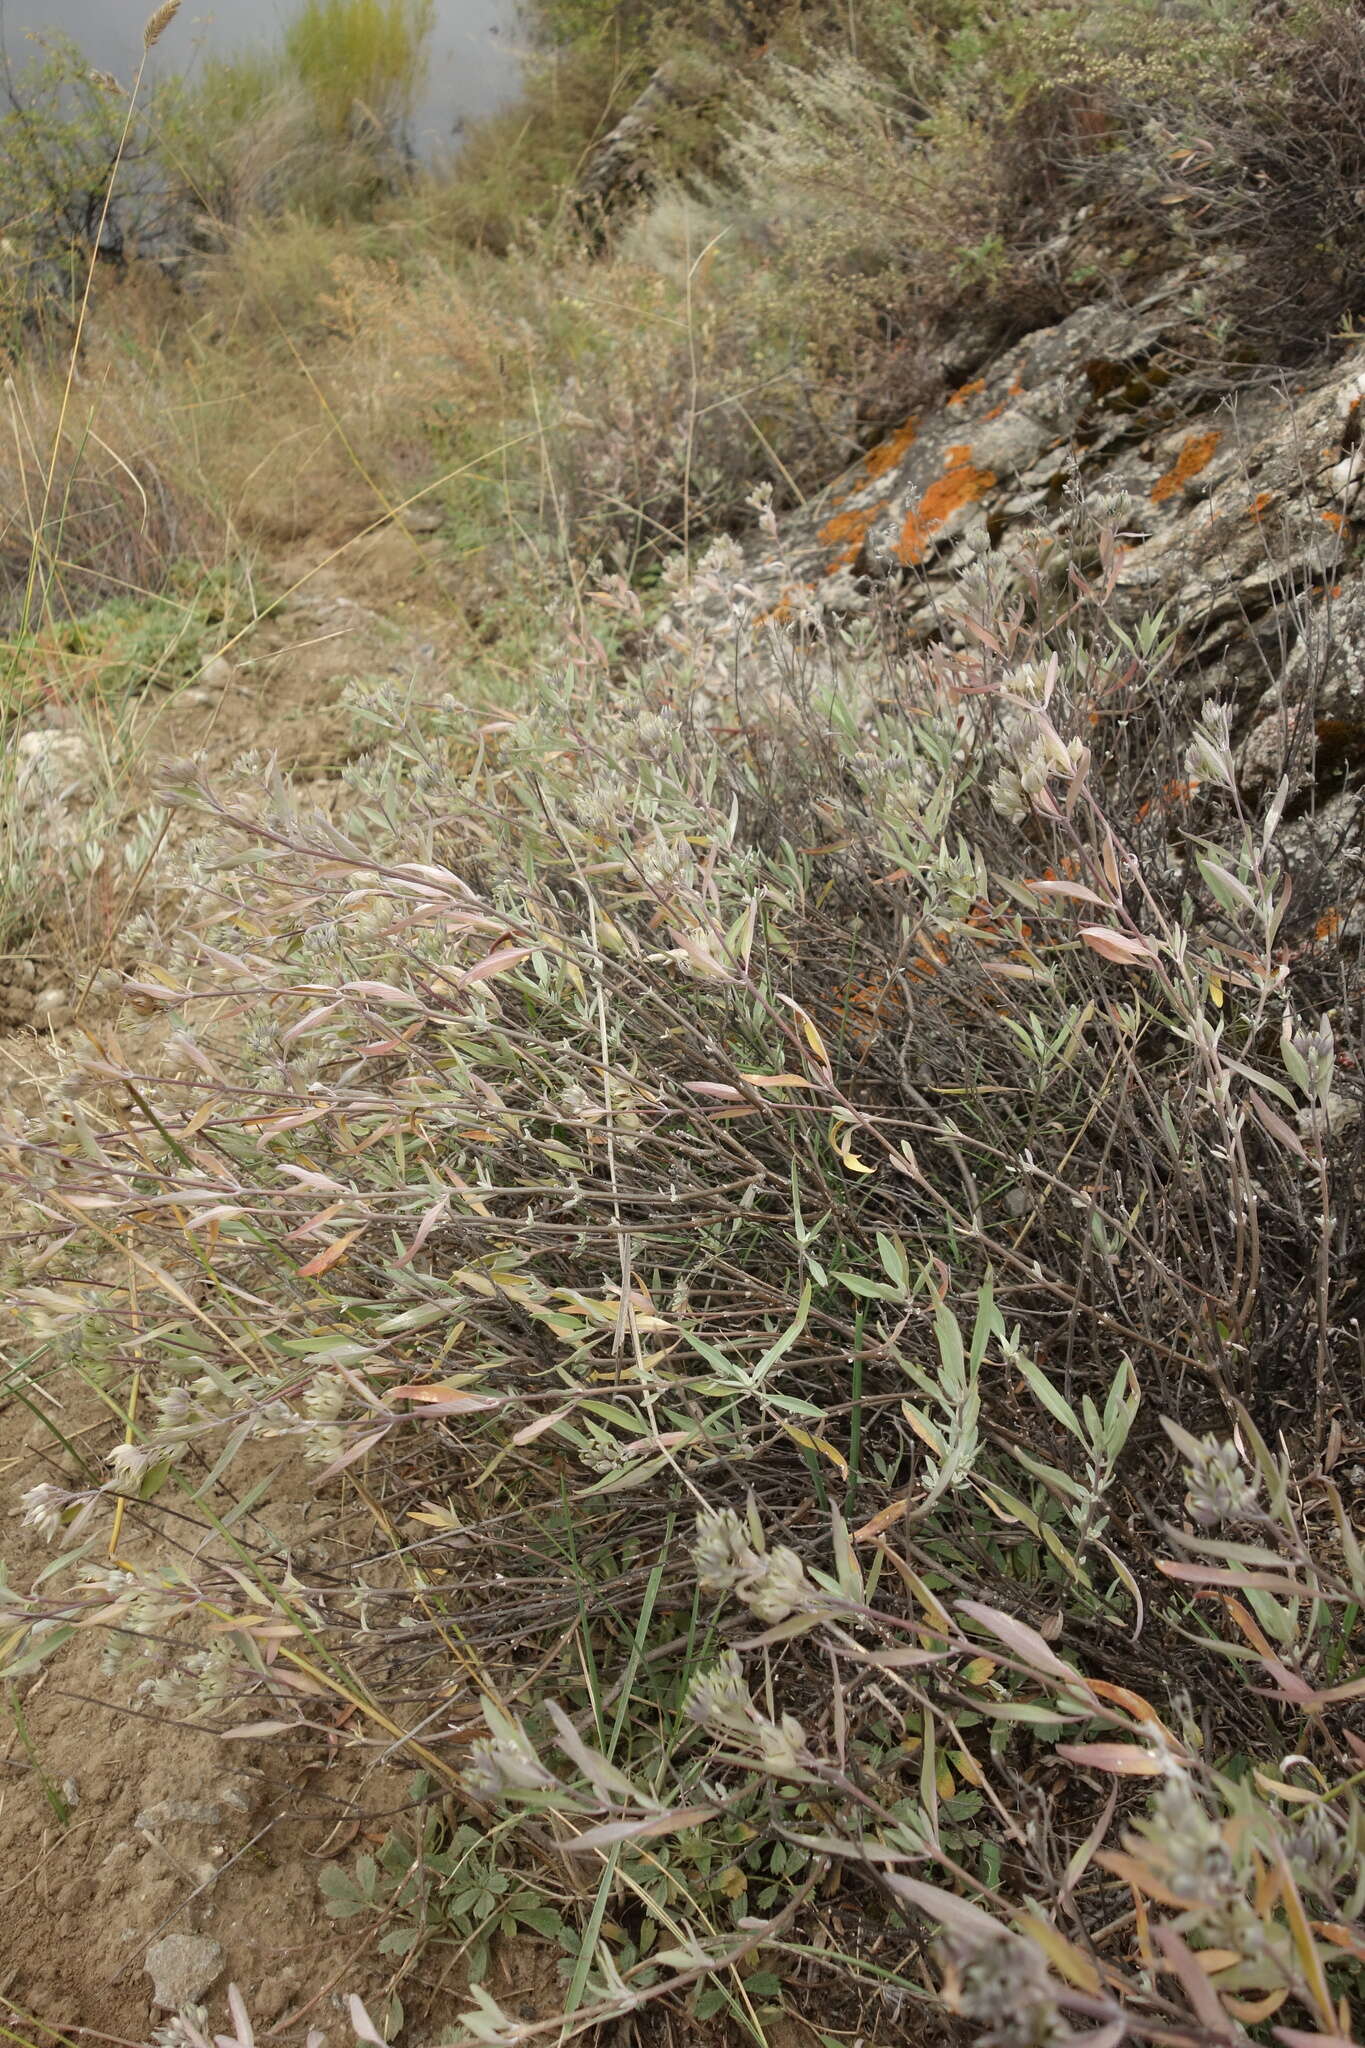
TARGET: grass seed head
(158,23)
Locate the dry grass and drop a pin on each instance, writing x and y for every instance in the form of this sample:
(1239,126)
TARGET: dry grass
(821,1238)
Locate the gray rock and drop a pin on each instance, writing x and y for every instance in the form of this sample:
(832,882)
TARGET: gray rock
(166,1813)
(51,1007)
(182,1967)
(217,673)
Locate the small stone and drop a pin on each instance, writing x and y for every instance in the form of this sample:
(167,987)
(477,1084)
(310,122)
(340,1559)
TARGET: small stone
(53,756)
(1335,1114)
(182,1967)
(271,1997)
(167,1813)
(51,1007)
(217,673)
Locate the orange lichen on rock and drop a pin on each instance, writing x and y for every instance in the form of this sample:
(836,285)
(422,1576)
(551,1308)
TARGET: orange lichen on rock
(870,1008)
(1335,520)
(966,391)
(846,532)
(1172,795)
(1328,925)
(887,454)
(962,483)
(1259,503)
(1195,455)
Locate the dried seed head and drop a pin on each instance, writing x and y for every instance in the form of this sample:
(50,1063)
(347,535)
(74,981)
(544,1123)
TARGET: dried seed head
(159,22)
(1220,1488)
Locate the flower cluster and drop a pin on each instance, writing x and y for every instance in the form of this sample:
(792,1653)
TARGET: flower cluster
(731,1557)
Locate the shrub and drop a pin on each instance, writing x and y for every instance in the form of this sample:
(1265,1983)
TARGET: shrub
(747,1196)
(95,503)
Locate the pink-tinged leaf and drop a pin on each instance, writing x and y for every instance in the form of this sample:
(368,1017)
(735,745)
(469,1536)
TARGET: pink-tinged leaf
(382,992)
(241,2019)
(150,993)
(957,1915)
(668,1440)
(1100,2037)
(1290,1686)
(315,1222)
(1120,947)
(1221,1575)
(362,2025)
(450,1400)
(1025,1642)
(256,1731)
(1275,1126)
(1196,1986)
(637,1830)
(1120,1757)
(1353,1689)
(531,1430)
(357,1450)
(1076,891)
(329,1257)
(778,1080)
(424,1229)
(323,1182)
(1295,2037)
(1015,970)
(495,963)
(221,1214)
(307,1023)
(720,1091)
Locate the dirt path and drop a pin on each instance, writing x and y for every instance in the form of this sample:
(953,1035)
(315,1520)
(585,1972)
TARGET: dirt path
(123,1823)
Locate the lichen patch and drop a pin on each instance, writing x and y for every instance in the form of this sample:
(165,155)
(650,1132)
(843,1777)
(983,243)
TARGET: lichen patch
(846,532)
(961,484)
(888,454)
(1195,455)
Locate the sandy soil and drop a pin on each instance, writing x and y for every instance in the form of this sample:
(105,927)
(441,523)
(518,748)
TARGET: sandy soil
(168,1828)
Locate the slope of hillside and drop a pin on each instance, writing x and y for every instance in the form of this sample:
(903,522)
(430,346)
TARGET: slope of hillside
(681,1016)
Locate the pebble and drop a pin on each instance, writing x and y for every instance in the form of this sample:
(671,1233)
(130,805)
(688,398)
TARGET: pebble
(166,1813)
(51,1007)
(217,673)
(182,1967)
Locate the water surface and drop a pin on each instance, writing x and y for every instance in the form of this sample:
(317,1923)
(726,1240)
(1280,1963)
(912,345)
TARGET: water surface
(475,49)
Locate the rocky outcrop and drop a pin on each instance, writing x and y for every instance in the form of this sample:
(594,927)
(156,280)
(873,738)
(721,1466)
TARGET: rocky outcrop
(1241,518)
(618,169)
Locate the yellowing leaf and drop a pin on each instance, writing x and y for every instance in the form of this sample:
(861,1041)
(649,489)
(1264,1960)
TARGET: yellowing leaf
(821,1444)
(812,1036)
(1124,1759)
(885,1518)
(1250,2010)
(1066,1959)
(329,1257)
(838,1138)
